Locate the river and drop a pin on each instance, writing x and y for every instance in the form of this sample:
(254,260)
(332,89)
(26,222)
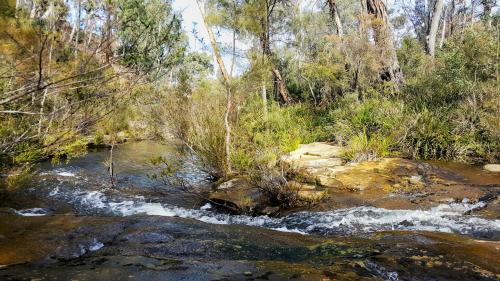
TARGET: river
(65,222)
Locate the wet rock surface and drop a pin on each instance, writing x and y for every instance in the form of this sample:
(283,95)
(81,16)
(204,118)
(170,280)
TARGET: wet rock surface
(392,183)
(236,196)
(160,248)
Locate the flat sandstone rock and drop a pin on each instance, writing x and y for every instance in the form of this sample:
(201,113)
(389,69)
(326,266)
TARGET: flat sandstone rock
(315,150)
(492,168)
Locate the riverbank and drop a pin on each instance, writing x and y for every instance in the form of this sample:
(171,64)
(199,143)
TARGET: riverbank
(325,181)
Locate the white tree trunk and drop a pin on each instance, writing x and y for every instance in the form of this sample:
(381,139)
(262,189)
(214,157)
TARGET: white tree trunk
(443,30)
(431,36)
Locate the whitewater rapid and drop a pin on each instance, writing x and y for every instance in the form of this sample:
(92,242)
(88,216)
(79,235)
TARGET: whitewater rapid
(450,218)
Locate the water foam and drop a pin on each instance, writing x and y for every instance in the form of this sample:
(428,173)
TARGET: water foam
(33,212)
(451,218)
(59,172)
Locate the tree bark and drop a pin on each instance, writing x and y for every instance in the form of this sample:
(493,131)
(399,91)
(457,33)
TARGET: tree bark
(443,28)
(77,23)
(434,26)
(264,100)
(383,38)
(334,13)
(108,32)
(282,89)
(363,30)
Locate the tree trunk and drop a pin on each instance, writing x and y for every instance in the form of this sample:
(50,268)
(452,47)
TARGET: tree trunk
(452,17)
(487,7)
(46,91)
(279,82)
(363,30)
(443,29)
(109,33)
(78,18)
(334,13)
(434,26)
(264,100)
(383,38)
(227,83)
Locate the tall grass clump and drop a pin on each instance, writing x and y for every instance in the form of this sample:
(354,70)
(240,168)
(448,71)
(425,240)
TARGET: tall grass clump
(261,137)
(370,129)
(455,103)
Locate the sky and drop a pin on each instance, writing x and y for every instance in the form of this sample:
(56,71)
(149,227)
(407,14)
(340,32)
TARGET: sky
(193,24)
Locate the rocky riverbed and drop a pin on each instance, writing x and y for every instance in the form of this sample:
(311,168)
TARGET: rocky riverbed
(321,175)
(391,219)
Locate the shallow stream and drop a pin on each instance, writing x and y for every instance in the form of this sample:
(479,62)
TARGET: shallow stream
(66,222)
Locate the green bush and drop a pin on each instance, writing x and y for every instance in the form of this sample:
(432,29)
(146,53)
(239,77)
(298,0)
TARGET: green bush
(370,129)
(259,141)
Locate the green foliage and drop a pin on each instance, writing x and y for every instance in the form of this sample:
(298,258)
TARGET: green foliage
(7,8)
(447,110)
(369,128)
(430,137)
(70,150)
(259,139)
(150,33)
(456,101)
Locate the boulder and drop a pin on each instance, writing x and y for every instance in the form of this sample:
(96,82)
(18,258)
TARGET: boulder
(237,196)
(492,168)
(316,163)
(307,192)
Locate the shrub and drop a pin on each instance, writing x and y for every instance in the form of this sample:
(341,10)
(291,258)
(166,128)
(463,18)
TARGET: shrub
(370,129)
(259,141)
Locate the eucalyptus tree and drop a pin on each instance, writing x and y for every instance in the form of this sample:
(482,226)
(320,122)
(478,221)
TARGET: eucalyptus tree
(433,27)
(334,13)
(227,84)
(260,20)
(384,39)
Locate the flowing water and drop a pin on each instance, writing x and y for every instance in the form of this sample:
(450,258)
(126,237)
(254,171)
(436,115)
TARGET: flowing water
(77,194)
